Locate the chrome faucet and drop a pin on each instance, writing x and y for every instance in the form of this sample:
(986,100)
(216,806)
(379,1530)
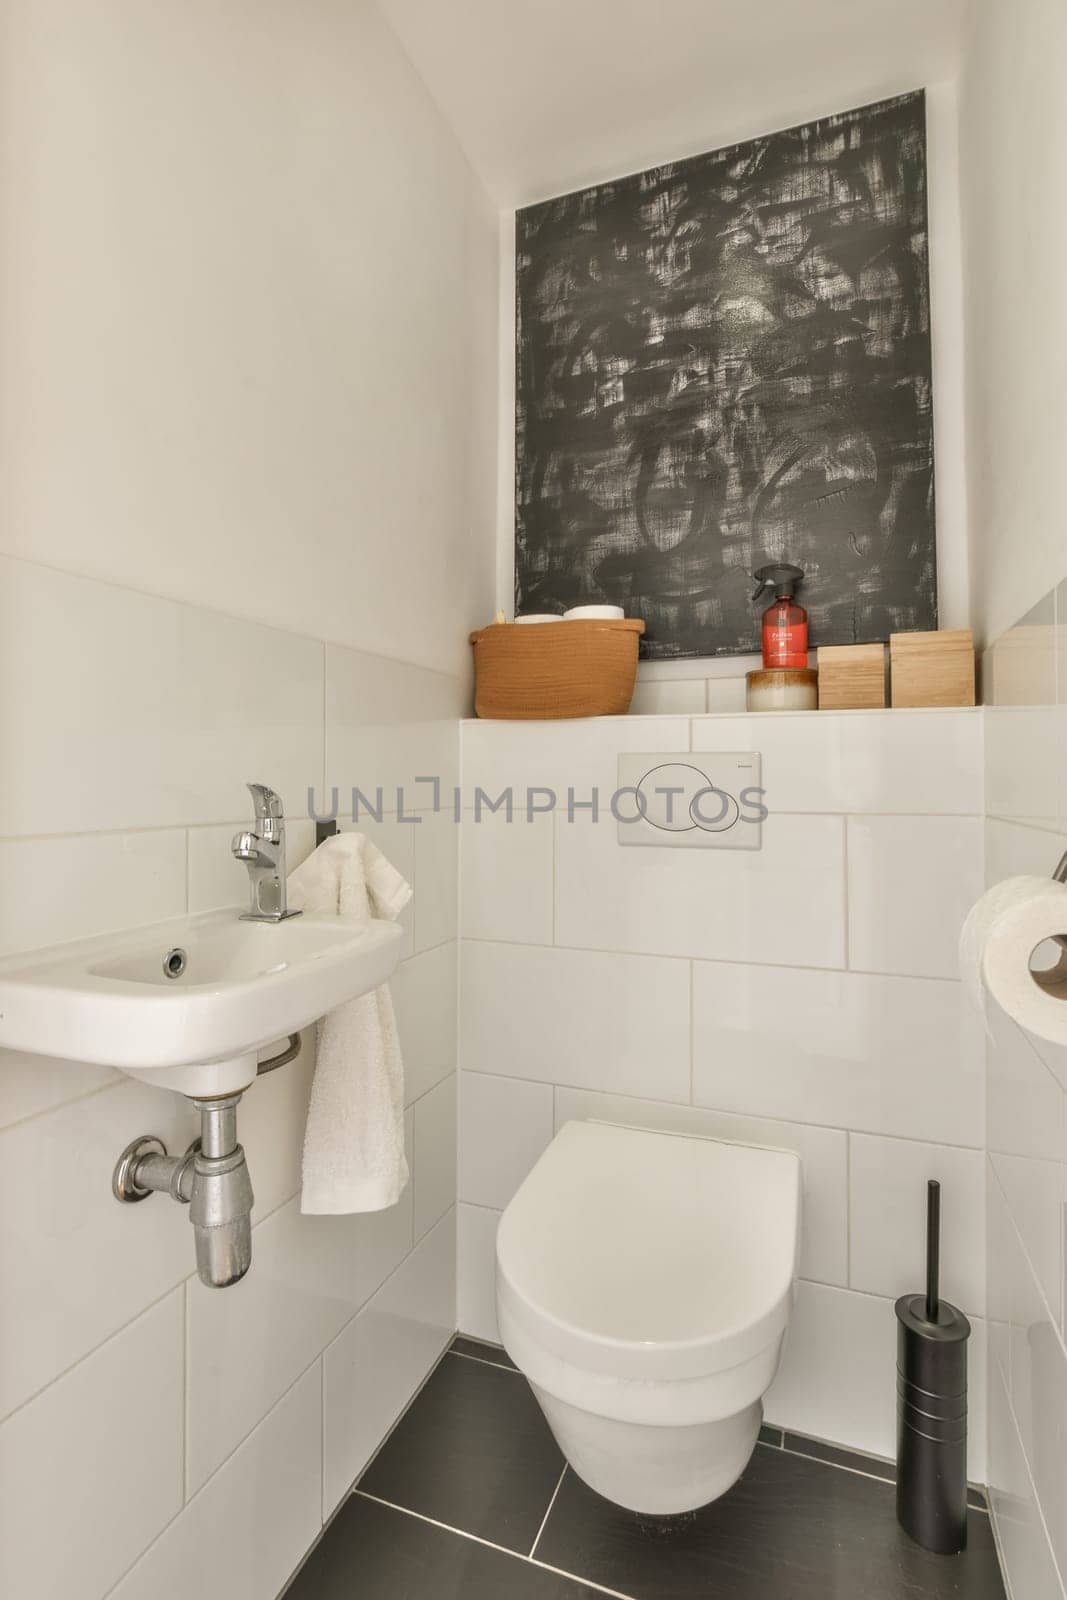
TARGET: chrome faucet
(262,850)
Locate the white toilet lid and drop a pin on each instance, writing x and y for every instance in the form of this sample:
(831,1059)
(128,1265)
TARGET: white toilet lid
(652,1253)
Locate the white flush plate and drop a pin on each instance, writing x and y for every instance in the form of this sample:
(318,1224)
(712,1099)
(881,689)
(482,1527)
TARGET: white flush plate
(693,801)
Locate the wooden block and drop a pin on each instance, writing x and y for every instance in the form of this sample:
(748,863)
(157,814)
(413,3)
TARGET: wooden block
(851,677)
(932,669)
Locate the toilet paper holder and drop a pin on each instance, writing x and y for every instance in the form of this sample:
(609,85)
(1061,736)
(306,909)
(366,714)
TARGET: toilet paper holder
(1060,873)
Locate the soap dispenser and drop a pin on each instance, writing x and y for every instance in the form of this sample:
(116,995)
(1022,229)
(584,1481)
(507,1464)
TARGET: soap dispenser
(785,624)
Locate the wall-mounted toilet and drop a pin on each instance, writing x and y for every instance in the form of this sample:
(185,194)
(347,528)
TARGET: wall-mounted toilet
(644,1286)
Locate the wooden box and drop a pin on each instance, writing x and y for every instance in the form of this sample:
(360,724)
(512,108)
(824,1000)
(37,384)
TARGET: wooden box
(932,669)
(851,677)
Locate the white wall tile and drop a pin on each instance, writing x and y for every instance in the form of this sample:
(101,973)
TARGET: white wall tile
(1025,658)
(1023,763)
(507,877)
(1026,1108)
(476,1272)
(375,1365)
(252,1523)
(889,1055)
(387,724)
(911,882)
(434,1164)
(1002,1249)
(881,761)
(505,1125)
(77,1512)
(309,1277)
(76,1264)
(784,903)
(837,1377)
(726,694)
(71,888)
(436,904)
(31,1084)
(424,997)
(1039,1402)
(887,1187)
(836,1380)
(578,1017)
(1024,1546)
(1035,1194)
(577,754)
(823,1153)
(1012,848)
(153,714)
(658,697)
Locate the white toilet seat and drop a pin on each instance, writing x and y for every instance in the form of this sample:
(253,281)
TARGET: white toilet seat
(644,1286)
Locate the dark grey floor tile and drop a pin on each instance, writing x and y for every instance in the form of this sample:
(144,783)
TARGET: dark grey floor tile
(370,1552)
(474,1452)
(793,1528)
(769,1435)
(856,1461)
(494,1353)
(838,1457)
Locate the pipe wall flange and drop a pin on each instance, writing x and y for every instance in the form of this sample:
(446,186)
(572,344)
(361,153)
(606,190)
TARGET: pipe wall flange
(123,1184)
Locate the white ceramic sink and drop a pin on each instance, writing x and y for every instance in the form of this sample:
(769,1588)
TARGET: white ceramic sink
(112,1001)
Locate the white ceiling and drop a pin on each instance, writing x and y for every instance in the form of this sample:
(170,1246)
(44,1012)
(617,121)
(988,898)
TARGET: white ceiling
(549,95)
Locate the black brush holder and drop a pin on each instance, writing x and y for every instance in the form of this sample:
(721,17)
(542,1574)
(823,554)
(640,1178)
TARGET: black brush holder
(932,1407)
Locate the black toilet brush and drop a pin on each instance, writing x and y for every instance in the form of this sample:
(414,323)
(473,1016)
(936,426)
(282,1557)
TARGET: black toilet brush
(932,1406)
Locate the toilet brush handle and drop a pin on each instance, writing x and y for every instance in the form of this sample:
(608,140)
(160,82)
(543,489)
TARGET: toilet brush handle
(933,1249)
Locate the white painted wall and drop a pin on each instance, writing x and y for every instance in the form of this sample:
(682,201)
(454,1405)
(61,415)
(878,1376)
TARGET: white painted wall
(692,684)
(246,342)
(1013,145)
(806,997)
(248,323)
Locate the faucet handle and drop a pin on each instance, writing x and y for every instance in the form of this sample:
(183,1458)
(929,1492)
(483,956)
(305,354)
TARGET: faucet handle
(267,803)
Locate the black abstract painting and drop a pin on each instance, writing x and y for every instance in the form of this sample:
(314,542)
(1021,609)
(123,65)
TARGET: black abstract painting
(725,362)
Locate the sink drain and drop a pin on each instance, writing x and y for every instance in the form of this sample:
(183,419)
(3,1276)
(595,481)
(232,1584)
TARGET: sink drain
(175,962)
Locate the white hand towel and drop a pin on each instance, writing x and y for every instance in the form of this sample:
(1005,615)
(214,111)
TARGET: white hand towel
(354,1140)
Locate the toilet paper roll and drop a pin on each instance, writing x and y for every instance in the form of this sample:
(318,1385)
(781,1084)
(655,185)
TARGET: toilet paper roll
(1000,940)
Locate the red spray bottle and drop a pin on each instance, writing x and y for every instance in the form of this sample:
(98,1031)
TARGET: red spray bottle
(785,624)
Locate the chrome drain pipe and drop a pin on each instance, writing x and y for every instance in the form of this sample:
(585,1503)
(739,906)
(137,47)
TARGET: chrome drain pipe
(211,1178)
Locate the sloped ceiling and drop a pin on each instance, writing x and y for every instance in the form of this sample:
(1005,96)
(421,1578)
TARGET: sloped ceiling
(548,95)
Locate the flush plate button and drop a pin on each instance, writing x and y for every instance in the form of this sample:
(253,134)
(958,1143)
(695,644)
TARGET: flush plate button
(699,800)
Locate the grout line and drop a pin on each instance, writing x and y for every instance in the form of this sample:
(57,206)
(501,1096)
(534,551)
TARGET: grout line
(846,896)
(711,1111)
(322,1438)
(159,1534)
(483,1361)
(87,1355)
(692,1034)
(1035,1280)
(848,1212)
(548,1512)
(461,1533)
(246,618)
(713,961)
(185,1405)
(1013,1423)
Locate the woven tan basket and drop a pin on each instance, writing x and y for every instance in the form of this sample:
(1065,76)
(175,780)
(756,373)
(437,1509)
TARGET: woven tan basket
(555,669)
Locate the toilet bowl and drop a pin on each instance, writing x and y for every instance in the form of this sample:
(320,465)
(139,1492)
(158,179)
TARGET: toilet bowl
(644,1287)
